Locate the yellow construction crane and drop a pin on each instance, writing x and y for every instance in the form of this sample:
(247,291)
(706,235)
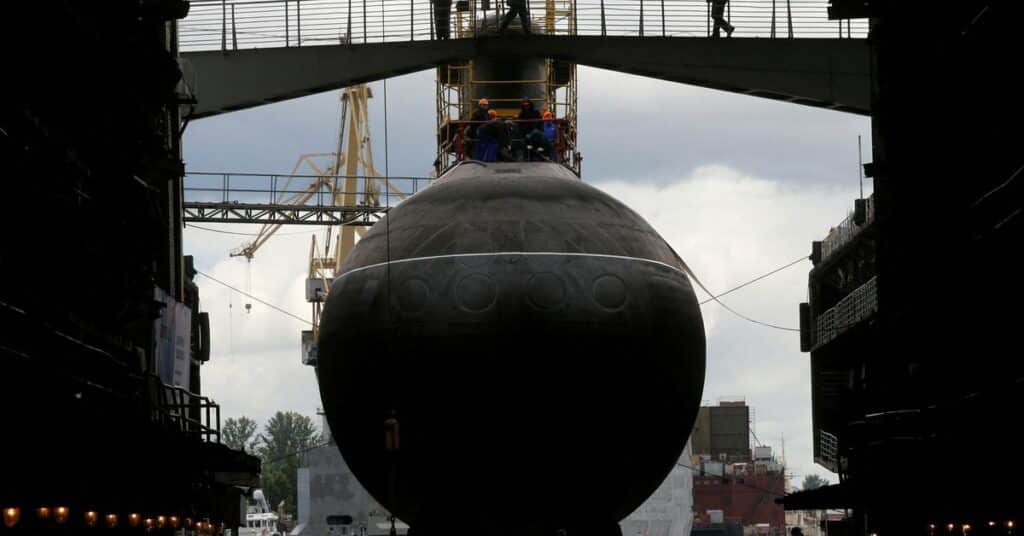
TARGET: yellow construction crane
(349,179)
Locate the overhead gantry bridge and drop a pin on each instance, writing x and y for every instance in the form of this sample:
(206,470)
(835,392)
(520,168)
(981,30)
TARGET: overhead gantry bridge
(245,53)
(241,54)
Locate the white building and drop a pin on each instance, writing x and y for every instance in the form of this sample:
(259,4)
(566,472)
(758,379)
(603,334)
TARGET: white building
(669,511)
(328,489)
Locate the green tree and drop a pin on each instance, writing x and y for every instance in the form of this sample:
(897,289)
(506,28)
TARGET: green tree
(239,434)
(284,441)
(814,482)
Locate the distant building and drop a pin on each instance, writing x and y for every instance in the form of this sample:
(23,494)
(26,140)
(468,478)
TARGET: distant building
(734,486)
(723,431)
(328,491)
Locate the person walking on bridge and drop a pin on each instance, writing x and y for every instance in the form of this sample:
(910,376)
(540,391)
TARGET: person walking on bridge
(442,18)
(718,14)
(516,7)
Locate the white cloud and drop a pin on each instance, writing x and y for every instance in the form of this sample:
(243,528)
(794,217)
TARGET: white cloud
(255,365)
(730,228)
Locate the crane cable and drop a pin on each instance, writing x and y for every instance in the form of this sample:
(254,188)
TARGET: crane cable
(264,302)
(714,297)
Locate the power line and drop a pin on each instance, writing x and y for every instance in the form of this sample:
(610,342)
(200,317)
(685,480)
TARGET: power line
(264,302)
(756,279)
(714,297)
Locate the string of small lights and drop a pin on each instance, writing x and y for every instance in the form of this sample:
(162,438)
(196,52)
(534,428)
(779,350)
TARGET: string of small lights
(43,517)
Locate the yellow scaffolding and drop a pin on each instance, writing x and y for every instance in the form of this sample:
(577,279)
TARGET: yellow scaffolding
(458,90)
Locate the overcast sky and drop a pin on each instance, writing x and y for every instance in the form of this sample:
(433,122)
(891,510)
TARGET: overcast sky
(738,186)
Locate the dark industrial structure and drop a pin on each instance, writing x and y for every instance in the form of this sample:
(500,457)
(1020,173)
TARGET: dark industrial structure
(912,322)
(104,420)
(914,313)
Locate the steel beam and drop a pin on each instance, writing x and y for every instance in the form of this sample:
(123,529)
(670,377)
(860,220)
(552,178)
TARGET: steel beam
(830,73)
(283,214)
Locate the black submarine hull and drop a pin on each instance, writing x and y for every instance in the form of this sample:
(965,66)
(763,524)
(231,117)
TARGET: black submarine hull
(537,342)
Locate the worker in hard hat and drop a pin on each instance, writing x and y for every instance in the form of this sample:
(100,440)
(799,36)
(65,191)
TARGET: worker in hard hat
(479,115)
(516,7)
(551,133)
(718,15)
(491,137)
(482,107)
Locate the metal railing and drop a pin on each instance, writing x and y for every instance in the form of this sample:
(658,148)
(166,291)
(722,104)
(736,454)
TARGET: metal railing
(828,449)
(246,24)
(186,412)
(563,147)
(843,233)
(855,307)
(293,199)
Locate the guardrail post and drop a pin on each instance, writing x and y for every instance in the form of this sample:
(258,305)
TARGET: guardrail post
(234,31)
(366,39)
(298,23)
(412,17)
(641,18)
(430,15)
(709,19)
(348,36)
(286,41)
(603,28)
(223,25)
(789,17)
(575,21)
(773,20)
(663,18)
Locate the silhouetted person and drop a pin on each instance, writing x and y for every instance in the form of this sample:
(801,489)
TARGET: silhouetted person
(527,112)
(442,18)
(516,7)
(492,139)
(718,14)
(479,114)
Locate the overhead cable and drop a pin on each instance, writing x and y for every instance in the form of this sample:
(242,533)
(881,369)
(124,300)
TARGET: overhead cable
(714,297)
(264,302)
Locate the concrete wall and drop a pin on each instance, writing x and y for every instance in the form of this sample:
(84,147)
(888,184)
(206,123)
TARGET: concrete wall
(333,490)
(669,511)
(701,437)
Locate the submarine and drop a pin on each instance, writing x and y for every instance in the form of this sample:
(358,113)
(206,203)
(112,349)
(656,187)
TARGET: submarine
(511,351)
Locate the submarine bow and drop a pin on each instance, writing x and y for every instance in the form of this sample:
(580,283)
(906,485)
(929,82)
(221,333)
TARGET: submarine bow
(515,344)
